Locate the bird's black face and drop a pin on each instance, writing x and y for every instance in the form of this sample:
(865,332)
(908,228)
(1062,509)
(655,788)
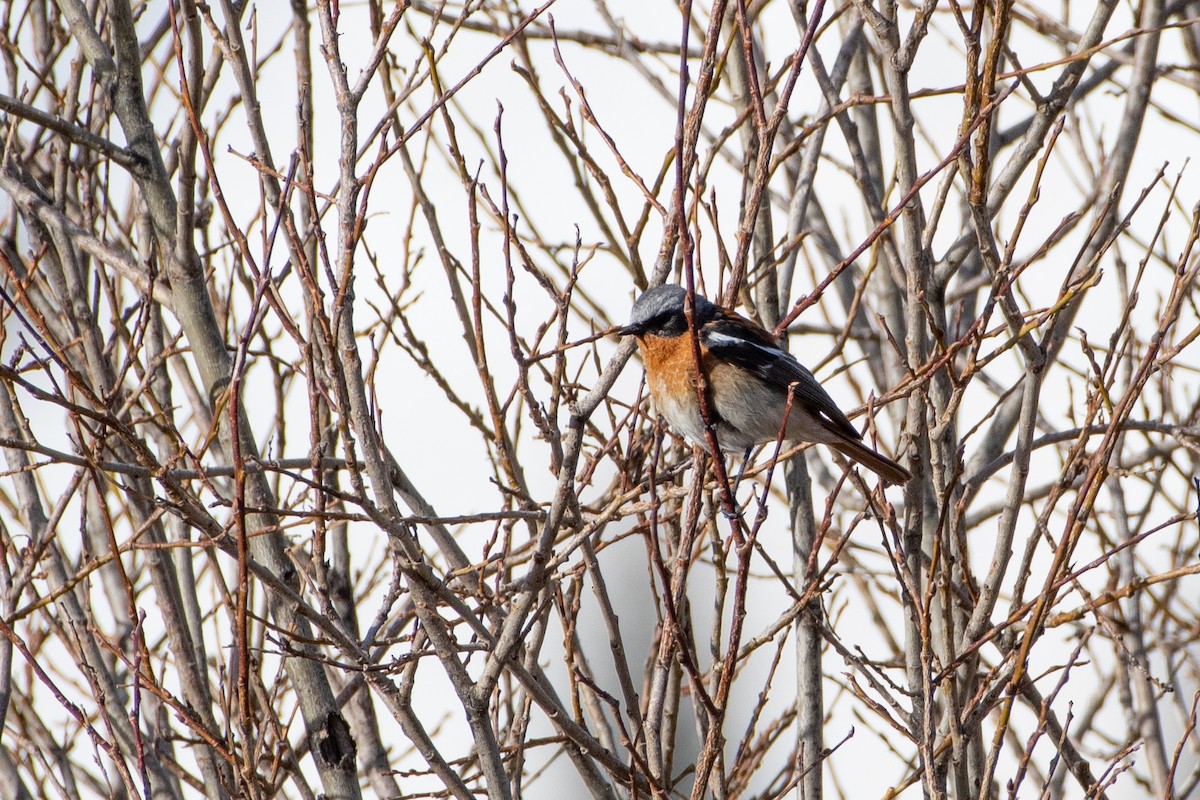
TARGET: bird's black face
(660,312)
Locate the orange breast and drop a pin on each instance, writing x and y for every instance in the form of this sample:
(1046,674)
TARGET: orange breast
(670,366)
(670,374)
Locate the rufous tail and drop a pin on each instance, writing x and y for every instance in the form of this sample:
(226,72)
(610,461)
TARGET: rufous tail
(878,463)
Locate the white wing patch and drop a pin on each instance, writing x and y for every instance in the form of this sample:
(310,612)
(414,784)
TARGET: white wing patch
(716,339)
(725,340)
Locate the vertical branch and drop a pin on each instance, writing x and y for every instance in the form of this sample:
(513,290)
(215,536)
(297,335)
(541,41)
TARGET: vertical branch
(921,312)
(810,702)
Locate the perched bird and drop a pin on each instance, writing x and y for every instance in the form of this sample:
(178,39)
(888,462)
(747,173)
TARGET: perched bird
(748,377)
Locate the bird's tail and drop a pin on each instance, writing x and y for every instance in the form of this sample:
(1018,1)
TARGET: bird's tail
(878,463)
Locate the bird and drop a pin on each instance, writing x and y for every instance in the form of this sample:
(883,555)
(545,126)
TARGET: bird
(748,379)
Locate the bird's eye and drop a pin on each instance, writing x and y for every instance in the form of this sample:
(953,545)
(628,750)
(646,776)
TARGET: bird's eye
(671,322)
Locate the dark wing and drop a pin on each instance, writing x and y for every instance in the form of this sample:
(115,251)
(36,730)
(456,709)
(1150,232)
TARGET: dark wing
(736,339)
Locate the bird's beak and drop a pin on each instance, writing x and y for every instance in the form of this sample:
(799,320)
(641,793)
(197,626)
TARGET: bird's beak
(630,330)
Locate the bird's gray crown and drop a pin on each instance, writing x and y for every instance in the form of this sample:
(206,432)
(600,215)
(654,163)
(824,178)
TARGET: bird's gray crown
(663,302)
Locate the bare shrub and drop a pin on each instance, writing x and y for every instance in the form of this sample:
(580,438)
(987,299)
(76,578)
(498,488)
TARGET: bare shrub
(325,475)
